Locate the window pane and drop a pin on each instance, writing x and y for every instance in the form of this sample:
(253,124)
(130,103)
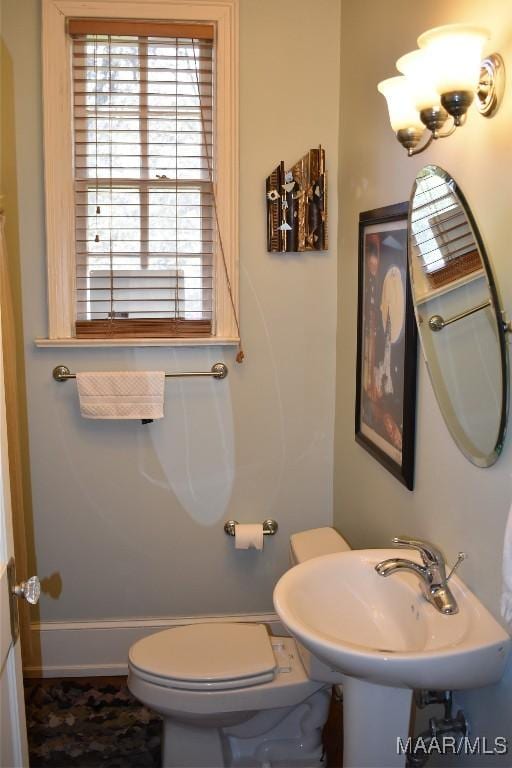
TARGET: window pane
(143,155)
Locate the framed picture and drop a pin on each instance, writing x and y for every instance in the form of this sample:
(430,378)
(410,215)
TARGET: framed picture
(386,343)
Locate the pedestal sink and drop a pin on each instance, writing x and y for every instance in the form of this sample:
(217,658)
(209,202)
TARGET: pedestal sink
(386,640)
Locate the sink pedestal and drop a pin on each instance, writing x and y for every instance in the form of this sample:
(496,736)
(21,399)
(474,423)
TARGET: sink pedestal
(374,718)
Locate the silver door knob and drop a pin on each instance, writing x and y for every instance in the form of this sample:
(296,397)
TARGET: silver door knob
(29,589)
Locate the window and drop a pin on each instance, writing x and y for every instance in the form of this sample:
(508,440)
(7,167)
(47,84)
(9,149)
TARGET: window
(144,219)
(441,230)
(136,157)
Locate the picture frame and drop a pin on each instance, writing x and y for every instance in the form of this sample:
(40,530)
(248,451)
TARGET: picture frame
(385,412)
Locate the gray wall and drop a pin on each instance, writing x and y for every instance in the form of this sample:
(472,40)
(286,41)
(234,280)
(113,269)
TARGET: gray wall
(454,504)
(129,518)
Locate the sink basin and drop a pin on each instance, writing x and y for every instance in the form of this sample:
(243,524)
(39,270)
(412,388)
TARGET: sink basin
(383,630)
(386,639)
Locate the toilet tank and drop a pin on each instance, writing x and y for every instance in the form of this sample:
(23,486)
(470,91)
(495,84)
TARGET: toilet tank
(314,543)
(304,546)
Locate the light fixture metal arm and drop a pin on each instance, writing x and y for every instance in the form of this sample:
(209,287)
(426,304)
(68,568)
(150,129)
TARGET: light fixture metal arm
(450,130)
(411,152)
(436,135)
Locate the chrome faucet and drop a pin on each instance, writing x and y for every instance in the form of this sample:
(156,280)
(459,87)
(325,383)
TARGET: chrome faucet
(432,573)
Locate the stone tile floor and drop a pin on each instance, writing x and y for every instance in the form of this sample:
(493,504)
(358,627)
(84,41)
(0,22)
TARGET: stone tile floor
(89,723)
(96,723)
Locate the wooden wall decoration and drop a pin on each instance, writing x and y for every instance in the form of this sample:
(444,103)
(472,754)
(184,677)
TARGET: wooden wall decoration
(297,205)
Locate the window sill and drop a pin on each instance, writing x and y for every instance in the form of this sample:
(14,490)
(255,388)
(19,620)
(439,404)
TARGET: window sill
(213,341)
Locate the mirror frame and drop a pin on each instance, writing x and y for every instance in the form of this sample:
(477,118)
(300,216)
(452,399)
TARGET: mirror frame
(499,314)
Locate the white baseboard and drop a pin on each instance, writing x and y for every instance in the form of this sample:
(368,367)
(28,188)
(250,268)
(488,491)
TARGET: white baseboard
(91,648)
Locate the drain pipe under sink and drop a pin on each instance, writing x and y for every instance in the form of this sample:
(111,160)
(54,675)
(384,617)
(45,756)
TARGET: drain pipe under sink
(442,732)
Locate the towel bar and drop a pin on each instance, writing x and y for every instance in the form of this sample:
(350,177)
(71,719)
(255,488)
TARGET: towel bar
(218,371)
(269,527)
(437,323)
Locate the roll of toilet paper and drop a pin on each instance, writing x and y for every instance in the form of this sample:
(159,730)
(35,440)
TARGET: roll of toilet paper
(249,536)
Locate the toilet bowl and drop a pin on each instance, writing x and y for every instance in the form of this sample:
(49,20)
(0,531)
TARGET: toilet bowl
(231,694)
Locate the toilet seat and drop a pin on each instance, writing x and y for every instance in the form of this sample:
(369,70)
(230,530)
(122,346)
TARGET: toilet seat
(290,685)
(206,657)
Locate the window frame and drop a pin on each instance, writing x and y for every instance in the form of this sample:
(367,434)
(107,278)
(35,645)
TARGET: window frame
(58,158)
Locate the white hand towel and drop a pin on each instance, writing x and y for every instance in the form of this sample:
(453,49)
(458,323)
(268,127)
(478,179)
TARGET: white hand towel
(121,395)
(506,595)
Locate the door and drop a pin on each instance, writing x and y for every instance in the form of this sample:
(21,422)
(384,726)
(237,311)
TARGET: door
(13,734)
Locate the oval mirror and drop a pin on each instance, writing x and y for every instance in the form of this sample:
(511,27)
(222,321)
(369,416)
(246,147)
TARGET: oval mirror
(459,316)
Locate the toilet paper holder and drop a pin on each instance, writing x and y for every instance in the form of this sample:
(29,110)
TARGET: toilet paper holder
(269,527)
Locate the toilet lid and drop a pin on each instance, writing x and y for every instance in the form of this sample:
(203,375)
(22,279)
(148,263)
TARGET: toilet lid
(206,656)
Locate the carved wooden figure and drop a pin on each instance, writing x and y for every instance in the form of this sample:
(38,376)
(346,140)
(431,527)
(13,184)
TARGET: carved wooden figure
(297,205)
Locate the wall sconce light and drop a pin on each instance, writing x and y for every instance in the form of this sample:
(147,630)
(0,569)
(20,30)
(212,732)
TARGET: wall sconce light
(440,80)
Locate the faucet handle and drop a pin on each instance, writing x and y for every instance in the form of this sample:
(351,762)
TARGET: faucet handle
(429,554)
(460,557)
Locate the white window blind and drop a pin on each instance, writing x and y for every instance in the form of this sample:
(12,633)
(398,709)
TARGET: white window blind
(439,225)
(143,163)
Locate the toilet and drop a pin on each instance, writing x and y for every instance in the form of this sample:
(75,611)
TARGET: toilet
(231,694)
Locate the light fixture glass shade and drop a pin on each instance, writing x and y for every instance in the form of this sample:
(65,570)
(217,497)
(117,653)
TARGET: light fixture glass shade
(417,68)
(454,53)
(402,112)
